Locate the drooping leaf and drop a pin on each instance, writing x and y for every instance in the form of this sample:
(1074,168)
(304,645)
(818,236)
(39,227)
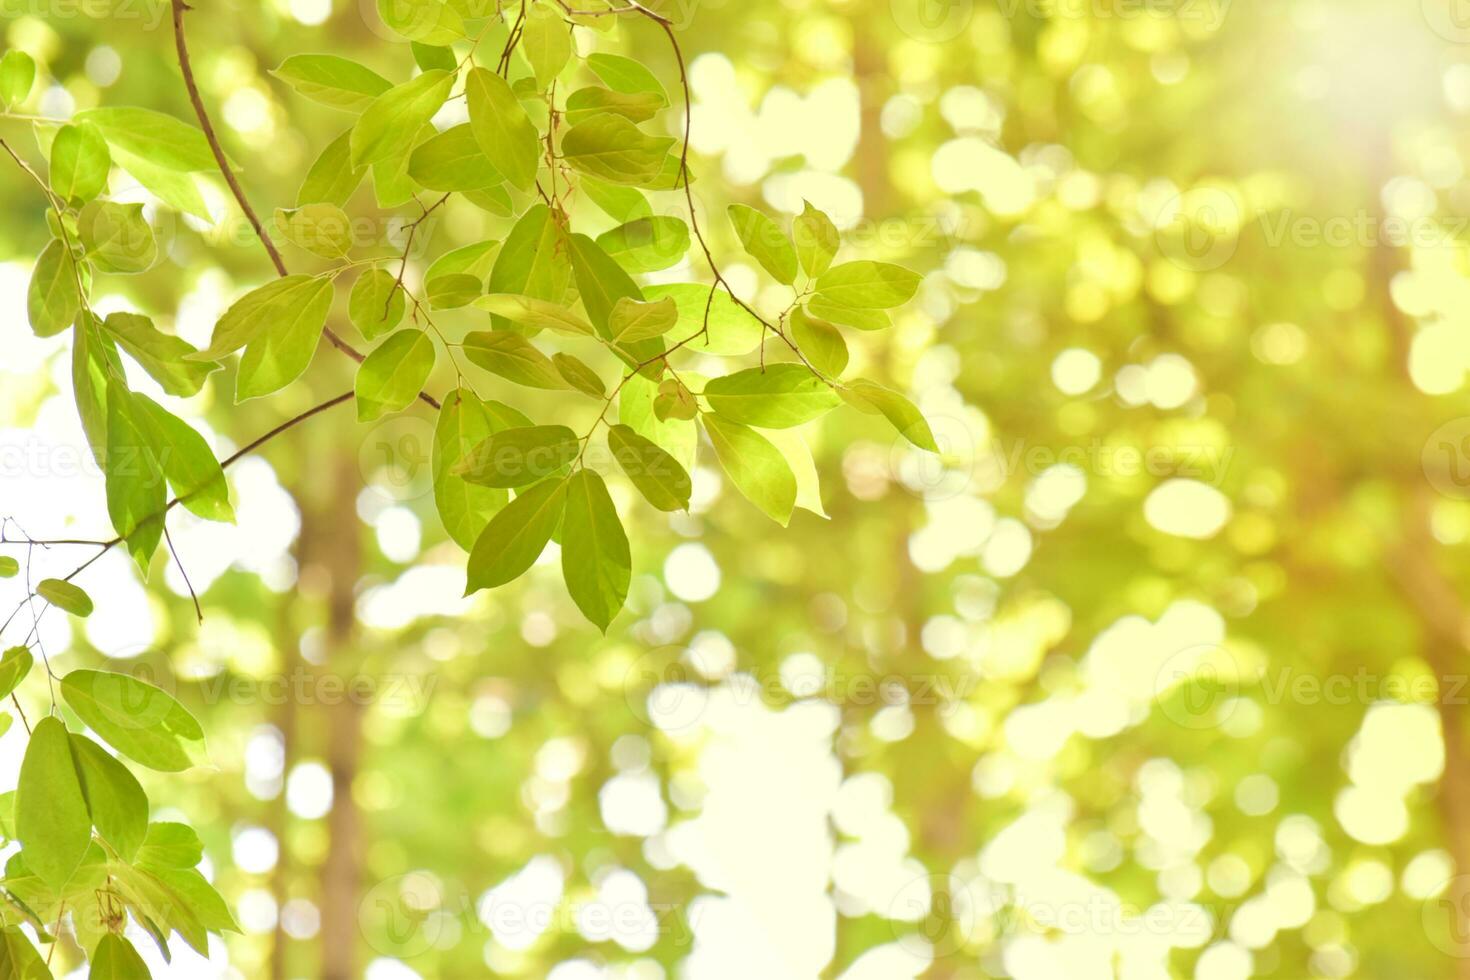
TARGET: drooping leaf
(139,720)
(732,330)
(464,508)
(375,304)
(519,456)
(162,355)
(116,959)
(95,365)
(135,483)
(816,239)
(332,80)
(391,377)
(322,229)
(281,330)
(516,536)
(612,148)
(620,203)
(601,283)
(115,800)
(755,466)
(160,139)
(79,163)
(657,475)
(187,462)
(15,664)
(635,107)
(625,75)
(647,244)
(500,123)
(546,41)
(820,342)
(777,396)
(51,820)
(577,374)
(117,237)
(595,561)
(65,596)
(332,178)
(262,307)
(52,301)
(453,161)
(867,285)
(534,313)
(512,357)
(534,261)
(678,437)
(386,129)
(175,188)
(798,456)
(764,240)
(871,397)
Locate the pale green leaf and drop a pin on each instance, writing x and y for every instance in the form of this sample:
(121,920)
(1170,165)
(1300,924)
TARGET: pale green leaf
(820,342)
(513,357)
(798,456)
(631,320)
(432,56)
(733,331)
(17,76)
(187,462)
(425,21)
(375,304)
(79,163)
(139,720)
(9,567)
(678,437)
(322,229)
(595,561)
(590,101)
(612,148)
(51,820)
(515,537)
(625,75)
(391,377)
(65,596)
(755,466)
(453,161)
(777,396)
(135,484)
(579,375)
(647,244)
(153,136)
(546,41)
(116,959)
(657,475)
(506,134)
(452,291)
(116,801)
(15,664)
(534,313)
(162,355)
(279,325)
(620,203)
(848,316)
(816,239)
(517,457)
(764,240)
(464,508)
(19,960)
(898,410)
(387,127)
(867,285)
(534,261)
(332,81)
(332,178)
(175,188)
(472,260)
(52,300)
(117,237)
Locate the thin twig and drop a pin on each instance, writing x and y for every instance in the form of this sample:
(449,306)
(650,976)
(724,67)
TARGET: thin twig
(168,539)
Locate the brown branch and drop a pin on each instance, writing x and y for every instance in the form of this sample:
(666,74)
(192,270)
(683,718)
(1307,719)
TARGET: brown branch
(197,101)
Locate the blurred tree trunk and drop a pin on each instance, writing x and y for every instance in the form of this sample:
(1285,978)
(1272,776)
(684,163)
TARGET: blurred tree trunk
(280,816)
(873,79)
(337,564)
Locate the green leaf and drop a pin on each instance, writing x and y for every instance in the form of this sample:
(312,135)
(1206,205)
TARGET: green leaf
(517,457)
(162,355)
(95,365)
(820,342)
(601,282)
(678,437)
(765,241)
(732,330)
(375,304)
(187,462)
(871,397)
(391,377)
(579,375)
(387,127)
(590,101)
(152,136)
(594,549)
(464,508)
(117,236)
(176,189)
(135,484)
(534,261)
(17,76)
(674,401)
(332,178)
(170,845)
(15,664)
(867,285)
(452,291)
(322,229)
(9,567)
(516,536)
(631,321)
(139,720)
(625,75)
(620,203)
(79,163)
(195,894)
(513,357)
(453,161)
(431,56)
(647,244)
(472,260)
(848,316)
(546,41)
(332,81)
(777,396)
(51,820)
(116,801)
(506,134)
(65,596)
(798,456)
(392,185)
(657,475)
(534,313)
(279,324)
(612,148)
(425,21)
(52,301)
(755,466)
(817,240)
(116,959)
(19,960)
